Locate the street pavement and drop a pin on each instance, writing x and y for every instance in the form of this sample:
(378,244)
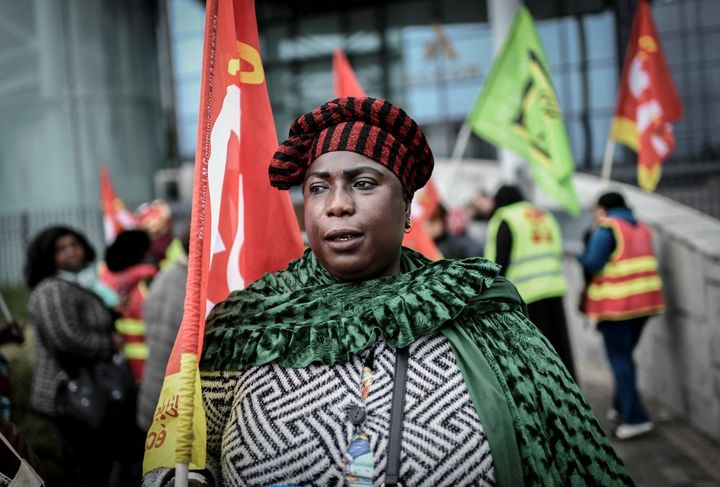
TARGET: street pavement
(673,454)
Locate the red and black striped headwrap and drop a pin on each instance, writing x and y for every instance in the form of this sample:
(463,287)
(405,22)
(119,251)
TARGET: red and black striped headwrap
(372,127)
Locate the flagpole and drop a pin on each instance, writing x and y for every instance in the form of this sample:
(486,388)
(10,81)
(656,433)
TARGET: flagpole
(457,153)
(181,474)
(4,311)
(607,161)
(461,141)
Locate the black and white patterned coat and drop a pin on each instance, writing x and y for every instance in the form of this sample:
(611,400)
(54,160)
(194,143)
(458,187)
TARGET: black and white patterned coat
(68,320)
(271,425)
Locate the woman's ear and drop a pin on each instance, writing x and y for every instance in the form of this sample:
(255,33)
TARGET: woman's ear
(408,206)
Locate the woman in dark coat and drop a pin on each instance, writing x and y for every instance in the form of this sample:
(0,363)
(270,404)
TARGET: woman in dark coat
(68,307)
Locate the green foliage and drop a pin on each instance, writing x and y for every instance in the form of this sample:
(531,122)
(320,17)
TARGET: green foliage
(16,298)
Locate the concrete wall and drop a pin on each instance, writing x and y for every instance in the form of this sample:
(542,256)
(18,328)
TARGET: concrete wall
(679,354)
(680,357)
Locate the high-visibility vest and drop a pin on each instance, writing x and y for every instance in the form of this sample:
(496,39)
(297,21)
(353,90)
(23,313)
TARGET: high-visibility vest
(536,255)
(629,285)
(130,325)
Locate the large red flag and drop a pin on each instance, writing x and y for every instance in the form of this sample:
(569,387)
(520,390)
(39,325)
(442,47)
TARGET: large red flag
(647,100)
(345,83)
(240,228)
(116,217)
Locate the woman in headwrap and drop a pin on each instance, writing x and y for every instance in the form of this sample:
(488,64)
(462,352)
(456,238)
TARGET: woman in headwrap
(364,363)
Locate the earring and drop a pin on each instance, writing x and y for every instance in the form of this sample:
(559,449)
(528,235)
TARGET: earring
(408,225)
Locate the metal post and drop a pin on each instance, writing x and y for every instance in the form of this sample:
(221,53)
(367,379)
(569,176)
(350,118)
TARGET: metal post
(501,13)
(167,83)
(608,159)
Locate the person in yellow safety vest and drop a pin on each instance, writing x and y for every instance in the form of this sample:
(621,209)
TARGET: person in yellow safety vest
(526,242)
(624,291)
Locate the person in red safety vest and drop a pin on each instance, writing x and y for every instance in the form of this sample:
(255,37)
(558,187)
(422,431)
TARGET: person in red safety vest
(127,271)
(625,289)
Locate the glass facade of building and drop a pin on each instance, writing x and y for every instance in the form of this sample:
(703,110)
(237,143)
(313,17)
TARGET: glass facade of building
(78,88)
(432,57)
(690,34)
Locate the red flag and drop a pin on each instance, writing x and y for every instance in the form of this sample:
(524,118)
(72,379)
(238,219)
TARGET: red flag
(116,217)
(648,100)
(345,83)
(240,228)
(423,204)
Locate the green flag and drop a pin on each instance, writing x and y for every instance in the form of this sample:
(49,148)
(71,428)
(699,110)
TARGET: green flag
(518,109)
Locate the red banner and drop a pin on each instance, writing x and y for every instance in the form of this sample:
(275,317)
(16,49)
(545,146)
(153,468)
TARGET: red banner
(116,217)
(241,227)
(345,83)
(648,100)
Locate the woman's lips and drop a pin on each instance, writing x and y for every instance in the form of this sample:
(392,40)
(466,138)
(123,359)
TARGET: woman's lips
(343,240)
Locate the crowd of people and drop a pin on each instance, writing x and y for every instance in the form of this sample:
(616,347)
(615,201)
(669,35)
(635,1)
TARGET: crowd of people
(98,365)
(363,362)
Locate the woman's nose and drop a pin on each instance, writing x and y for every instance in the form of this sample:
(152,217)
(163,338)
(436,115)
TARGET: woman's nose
(341,203)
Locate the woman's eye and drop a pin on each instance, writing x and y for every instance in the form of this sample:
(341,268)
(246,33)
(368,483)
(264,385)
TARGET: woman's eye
(364,184)
(315,188)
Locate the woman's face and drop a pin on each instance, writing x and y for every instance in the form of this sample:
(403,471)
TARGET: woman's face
(355,215)
(69,254)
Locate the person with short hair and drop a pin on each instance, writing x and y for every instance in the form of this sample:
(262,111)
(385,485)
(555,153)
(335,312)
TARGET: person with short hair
(128,270)
(625,289)
(525,241)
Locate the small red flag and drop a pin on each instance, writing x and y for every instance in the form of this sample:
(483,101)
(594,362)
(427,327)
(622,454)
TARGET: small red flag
(240,227)
(423,204)
(116,218)
(345,83)
(648,100)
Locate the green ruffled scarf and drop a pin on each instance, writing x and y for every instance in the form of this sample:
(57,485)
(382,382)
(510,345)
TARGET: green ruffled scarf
(303,315)
(524,397)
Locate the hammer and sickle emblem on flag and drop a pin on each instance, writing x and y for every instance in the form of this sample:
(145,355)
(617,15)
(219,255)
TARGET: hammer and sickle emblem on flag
(251,56)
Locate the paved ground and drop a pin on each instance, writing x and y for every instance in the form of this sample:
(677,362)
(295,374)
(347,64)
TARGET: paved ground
(673,454)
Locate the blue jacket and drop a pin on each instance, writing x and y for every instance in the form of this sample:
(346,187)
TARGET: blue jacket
(602,243)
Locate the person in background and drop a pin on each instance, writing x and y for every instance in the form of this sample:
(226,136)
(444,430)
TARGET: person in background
(624,291)
(69,308)
(156,219)
(128,271)
(527,244)
(163,312)
(448,230)
(300,369)
(481,206)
